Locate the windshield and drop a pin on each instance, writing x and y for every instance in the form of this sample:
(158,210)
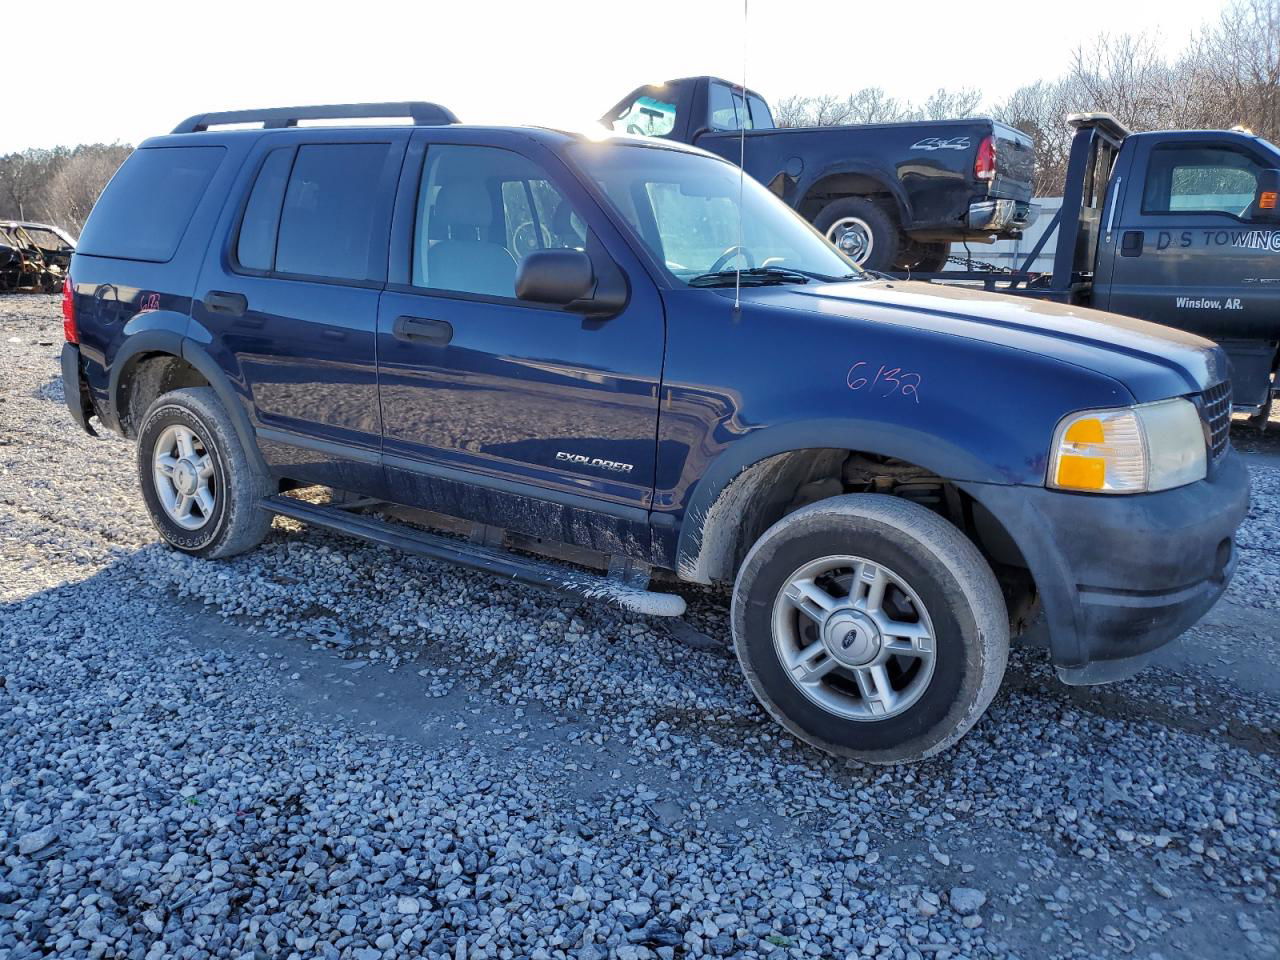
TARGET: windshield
(684,207)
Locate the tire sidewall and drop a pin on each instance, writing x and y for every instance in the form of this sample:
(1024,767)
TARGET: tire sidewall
(163,415)
(952,700)
(884,232)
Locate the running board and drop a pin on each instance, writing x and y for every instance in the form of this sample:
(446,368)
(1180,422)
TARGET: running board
(500,563)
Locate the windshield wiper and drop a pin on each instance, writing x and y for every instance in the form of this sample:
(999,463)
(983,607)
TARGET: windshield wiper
(753,276)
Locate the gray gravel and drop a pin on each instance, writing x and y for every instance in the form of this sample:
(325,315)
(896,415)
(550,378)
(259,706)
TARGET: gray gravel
(327,749)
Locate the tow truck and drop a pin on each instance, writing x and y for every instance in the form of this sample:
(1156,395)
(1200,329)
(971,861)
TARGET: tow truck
(1179,227)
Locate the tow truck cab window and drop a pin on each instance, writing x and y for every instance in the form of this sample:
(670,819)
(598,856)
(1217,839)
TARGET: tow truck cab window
(1204,179)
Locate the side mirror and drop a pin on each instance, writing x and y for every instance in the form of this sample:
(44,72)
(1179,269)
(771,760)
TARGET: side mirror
(566,278)
(1266,205)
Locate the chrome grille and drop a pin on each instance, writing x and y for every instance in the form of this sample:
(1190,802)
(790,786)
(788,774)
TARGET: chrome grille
(1215,407)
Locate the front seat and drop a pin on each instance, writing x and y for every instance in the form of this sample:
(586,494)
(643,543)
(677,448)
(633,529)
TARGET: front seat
(461,258)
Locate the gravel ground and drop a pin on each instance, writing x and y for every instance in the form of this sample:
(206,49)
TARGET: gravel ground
(327,749)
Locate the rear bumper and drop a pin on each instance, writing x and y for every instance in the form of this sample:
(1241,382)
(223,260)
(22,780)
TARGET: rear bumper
(998,216)
(75,390)
(1121,576)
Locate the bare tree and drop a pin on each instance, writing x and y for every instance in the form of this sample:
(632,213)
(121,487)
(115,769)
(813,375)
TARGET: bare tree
(944,104)
(1232,69)
(1040,111)
(871,105)
(23,177)
(75,187)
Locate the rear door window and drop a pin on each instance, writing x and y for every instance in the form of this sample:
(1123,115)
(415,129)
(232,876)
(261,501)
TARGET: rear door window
(330,206)
(146,207)
(761,118)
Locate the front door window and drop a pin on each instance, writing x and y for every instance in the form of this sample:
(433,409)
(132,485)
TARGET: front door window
(1193,179)
(481,210)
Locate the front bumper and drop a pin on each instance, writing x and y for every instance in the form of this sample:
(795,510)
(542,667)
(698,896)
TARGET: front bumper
(74,389)
(1120,576)
(1001,215)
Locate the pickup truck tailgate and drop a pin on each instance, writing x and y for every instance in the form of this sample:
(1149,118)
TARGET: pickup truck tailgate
(1015,164)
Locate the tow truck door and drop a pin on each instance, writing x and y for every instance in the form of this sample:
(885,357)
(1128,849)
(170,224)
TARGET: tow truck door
(1182,245)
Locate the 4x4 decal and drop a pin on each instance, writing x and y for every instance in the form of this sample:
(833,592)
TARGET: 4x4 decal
(937,143)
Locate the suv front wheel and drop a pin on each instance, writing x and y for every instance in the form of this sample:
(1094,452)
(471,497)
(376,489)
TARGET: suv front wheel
(200,488)
(870,627)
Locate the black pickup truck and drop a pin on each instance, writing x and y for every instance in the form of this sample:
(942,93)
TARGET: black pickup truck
(1180,227)
(889,195)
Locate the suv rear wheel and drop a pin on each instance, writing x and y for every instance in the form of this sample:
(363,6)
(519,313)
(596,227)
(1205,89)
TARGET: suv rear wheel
(200,488)
(870,627)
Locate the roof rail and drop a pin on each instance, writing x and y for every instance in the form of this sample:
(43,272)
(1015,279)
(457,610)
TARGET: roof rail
(275,118)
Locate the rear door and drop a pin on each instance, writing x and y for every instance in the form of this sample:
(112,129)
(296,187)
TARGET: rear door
(290,301)
(519,415)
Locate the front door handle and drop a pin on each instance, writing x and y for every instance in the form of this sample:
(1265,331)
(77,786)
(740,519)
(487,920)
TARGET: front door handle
(226,304)
(1131,243)
(422,330)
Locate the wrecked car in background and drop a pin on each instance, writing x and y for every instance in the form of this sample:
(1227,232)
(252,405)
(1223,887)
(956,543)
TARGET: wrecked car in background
(33,256)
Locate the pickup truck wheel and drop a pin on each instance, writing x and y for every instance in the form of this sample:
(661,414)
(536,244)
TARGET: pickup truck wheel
(862,230)
(200,488)
(870,627)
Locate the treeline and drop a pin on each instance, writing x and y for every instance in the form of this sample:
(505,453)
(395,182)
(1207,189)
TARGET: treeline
(1227,75)
(59,185)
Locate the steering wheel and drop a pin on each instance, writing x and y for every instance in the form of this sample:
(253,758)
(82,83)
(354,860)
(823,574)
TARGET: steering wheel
(525,237)
(736,250)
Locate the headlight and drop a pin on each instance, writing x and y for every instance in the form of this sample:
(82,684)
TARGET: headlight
(1153,446)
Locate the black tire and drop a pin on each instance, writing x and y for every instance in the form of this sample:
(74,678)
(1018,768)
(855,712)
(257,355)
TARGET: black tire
(951,578)
(930,257)
(236,522)
(882,227)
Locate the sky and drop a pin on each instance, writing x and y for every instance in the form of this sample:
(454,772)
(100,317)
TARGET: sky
(128,69)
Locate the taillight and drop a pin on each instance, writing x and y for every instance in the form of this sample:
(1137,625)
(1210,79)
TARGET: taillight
(69,329)
(984,164)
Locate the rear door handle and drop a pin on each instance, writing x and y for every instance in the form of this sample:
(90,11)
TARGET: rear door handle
(226,304)
(1131,243)
(420,329)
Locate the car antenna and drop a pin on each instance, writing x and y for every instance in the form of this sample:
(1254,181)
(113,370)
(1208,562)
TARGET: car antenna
(742,156)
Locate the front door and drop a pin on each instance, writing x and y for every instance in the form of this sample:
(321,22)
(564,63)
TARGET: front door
(1185,250)
(515,414)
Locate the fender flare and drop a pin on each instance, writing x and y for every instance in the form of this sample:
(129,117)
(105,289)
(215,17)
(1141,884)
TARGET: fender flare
(188,350)
(886,180)
(919,447)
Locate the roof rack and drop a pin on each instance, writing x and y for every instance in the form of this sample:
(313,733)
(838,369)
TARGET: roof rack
(275,118)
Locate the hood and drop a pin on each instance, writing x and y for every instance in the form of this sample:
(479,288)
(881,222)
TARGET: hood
(1152,361)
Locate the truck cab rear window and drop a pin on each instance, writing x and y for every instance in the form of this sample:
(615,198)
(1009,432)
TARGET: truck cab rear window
(146,207)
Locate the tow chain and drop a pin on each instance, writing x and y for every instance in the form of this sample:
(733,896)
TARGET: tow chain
(978,266)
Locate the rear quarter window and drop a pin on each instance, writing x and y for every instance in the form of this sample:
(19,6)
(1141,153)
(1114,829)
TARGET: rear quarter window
(146,207)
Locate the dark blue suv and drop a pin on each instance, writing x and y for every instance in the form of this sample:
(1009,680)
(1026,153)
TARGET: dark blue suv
(623,354)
